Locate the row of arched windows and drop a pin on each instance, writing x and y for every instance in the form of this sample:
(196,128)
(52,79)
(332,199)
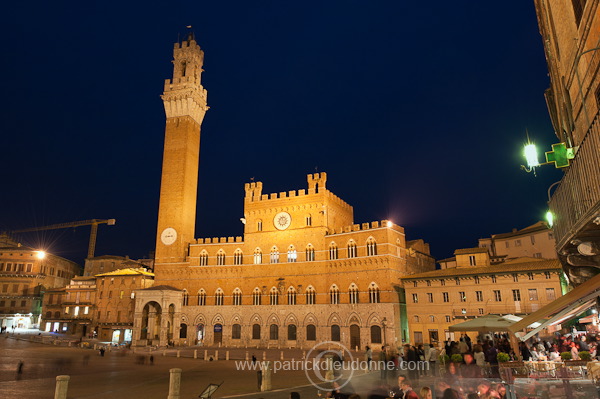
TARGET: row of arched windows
(292,255)
(291,296)
(292,332)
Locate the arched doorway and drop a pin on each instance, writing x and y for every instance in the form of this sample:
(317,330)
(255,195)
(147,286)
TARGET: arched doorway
(218,331)
(183,330)
(354,336)
(200,333)
(151,322)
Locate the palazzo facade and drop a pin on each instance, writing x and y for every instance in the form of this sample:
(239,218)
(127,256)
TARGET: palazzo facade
(302,273)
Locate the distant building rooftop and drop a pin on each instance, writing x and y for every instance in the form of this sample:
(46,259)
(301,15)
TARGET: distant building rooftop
(127,272)
(512,266)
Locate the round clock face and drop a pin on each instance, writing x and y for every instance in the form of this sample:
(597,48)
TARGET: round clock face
(282,220)
(168,236)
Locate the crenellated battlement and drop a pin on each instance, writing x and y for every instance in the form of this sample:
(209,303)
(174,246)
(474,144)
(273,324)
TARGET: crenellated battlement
(253,191)
(368,226)
(316,185)
(219,240)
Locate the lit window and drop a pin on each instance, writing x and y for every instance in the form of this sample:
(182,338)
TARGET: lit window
(415,298)
(274,255)
(257,256)
(292,255)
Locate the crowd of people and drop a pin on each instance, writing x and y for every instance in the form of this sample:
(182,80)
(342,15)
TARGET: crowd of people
(473,374)
(552,349)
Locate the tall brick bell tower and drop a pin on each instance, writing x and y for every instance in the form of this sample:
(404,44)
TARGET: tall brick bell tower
(184,99)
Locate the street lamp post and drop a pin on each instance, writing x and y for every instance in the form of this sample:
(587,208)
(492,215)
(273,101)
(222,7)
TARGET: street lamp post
(383,324)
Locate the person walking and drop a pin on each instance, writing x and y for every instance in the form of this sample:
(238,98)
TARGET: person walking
(19,369)
(432,357)
(383,364)
(369,357)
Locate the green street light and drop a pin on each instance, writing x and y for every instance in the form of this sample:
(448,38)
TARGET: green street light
(550,218)
(531,156)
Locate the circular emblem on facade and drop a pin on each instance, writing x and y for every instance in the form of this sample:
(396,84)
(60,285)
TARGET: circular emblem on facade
(282,220)
(168,236)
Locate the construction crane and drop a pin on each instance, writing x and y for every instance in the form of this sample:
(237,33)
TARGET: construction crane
(93,233)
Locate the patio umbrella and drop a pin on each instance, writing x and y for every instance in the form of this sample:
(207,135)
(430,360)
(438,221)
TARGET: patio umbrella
(483,324)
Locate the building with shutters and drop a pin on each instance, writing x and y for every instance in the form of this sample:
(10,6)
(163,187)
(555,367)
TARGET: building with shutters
(471,286)
(25,274)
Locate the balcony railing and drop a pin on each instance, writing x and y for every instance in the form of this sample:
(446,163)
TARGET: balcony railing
(576,201)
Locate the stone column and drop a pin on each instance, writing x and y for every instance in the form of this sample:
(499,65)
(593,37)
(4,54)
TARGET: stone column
(266,376)
(62,385)
(174,384)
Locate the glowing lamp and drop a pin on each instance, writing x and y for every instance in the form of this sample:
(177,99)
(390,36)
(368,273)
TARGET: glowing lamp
(389,224)
(41,254)
(531,156)
(550,218)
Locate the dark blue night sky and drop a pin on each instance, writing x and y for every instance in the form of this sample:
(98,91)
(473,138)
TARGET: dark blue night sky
(416,110)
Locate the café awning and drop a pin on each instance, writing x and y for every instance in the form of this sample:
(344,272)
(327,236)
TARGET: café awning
(566,307)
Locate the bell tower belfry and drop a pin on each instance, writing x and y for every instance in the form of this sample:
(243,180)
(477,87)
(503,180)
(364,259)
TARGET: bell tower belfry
(184,99)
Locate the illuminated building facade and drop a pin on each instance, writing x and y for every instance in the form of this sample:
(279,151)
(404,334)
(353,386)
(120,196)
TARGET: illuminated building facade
(302,273)
(25,273)
(472,286)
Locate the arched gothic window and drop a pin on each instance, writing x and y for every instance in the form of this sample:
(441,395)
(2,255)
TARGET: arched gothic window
(333,251)
(351,249)
(274,296)
(257,256)
(371,247)
(353,293)
(334,295)
(310,295)
(291,296)
(373,293)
